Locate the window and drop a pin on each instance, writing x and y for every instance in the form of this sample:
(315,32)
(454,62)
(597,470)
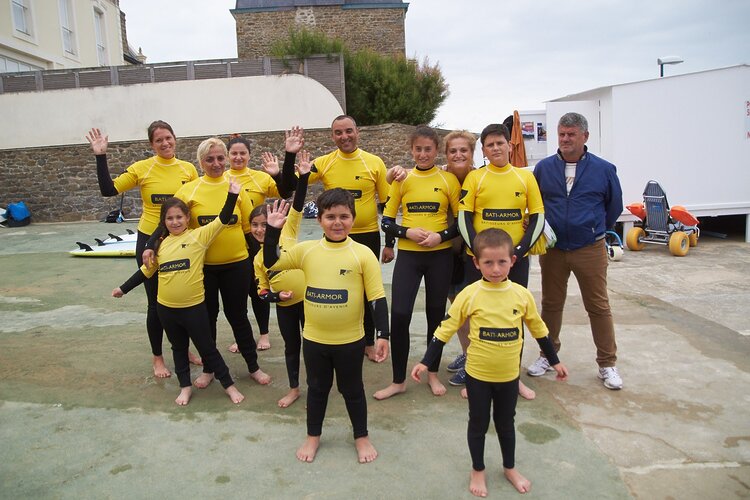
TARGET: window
(8,65)
(22,16)
(66,26)
(101,47)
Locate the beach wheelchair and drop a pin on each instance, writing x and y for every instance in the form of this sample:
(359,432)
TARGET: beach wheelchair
(675,227)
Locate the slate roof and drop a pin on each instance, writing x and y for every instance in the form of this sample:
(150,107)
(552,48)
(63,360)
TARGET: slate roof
(288,4)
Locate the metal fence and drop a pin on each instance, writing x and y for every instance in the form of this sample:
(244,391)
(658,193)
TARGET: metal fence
(327,70)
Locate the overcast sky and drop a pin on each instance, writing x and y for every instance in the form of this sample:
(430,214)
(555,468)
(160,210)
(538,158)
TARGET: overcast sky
(499,55)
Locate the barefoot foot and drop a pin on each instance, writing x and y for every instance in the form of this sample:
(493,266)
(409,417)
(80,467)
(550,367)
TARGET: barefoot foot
(263,342)
(234,348)
(478,484)
(464,393)
(389,391)
(437,387)
(235,395)
(519,482)
(525,392)
(160,369)
(370,353)
(261,377)
(366,452)
(306,452)
(184,397)
(203,380)
(291,397)
(194,359)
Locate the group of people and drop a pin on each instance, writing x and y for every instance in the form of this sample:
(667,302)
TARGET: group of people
(466,231)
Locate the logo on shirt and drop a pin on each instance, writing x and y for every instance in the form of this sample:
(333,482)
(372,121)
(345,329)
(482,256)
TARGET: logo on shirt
(498,334)
(344,272)
(435,190)
(206,219)
(499,214)
(356,193)
(516,312)
(174,265)
(158,199)
(326,296)
(184,245)
(357,177)
(423,207)
(518,194)
(271,274)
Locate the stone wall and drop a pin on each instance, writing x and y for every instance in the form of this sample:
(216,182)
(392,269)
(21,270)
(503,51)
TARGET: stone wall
(58,183)
(379,29)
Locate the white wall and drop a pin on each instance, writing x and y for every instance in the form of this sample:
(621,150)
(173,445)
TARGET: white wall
(688,132)
(193,108)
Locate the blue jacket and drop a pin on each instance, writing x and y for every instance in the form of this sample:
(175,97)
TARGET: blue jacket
(593,205)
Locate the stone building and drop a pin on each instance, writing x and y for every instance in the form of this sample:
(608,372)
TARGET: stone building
(373,24)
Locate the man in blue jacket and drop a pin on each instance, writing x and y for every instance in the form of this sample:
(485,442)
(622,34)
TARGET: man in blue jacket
(582,199)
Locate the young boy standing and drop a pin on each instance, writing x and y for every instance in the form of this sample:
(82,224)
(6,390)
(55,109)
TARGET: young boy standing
(339,273)
(498,309)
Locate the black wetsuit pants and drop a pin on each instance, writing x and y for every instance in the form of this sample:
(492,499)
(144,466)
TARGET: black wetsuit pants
(411,266)
(232,281)
(151,285)
(191,323)
(291,322)
(261,308)
(502,397)
(321,362)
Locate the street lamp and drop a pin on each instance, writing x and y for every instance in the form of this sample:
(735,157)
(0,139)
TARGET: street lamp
(667,60)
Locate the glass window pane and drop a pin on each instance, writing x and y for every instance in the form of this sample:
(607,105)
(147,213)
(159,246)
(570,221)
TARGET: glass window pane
(19,17)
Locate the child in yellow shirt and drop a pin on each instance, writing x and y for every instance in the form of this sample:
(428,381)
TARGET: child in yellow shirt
(498,309)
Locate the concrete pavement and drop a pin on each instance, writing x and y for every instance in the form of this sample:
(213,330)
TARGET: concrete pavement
(82,417)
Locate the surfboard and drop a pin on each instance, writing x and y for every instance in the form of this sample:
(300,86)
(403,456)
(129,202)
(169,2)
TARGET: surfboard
(115,246)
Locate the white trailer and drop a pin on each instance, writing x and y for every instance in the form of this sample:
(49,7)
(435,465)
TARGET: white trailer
(690,132)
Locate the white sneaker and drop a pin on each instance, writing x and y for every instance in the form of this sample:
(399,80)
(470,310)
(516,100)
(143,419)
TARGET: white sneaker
(610,377)
(539,367)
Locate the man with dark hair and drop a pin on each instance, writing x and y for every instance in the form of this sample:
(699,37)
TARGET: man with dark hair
(582,199)
(364,175)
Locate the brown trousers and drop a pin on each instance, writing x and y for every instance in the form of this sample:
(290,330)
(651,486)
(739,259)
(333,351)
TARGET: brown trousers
(589,265)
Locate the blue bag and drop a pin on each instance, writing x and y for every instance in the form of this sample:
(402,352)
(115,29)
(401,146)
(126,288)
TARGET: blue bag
(18,214)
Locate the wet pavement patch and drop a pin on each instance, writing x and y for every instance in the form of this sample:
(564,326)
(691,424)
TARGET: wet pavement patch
(538,433)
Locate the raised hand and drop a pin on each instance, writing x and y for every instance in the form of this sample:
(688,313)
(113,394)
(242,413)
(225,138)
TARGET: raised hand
(294,139)
(304,165)
(98,141)
(270,163)
(234,186)
(276,216)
